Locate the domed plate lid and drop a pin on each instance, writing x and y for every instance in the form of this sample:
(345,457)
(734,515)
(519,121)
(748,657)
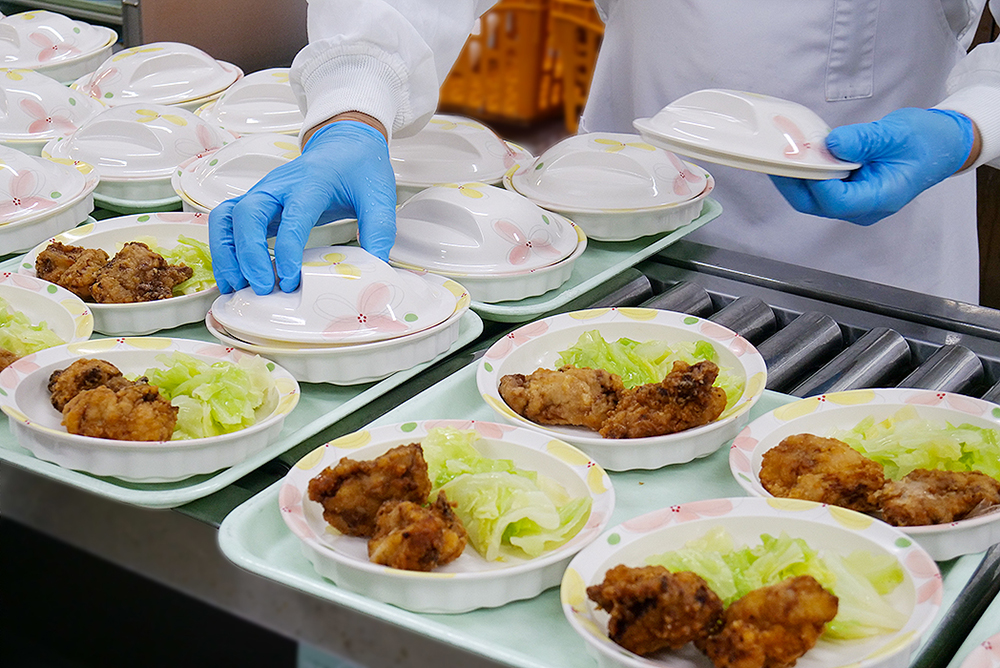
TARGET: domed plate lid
(158,73)
(136,142)
(259,102)
(452,149)
(39,39)
(473,228)
(33,188)
(346,296)
(603,170)
(34,107)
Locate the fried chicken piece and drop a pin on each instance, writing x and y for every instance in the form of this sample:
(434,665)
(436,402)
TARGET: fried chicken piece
(683,400)
(7,358)
(137,412)
(936,497)
(566,396)
(137,274)
(84,374)
(417,538)
(773,626)
(826,470)
(351,492)
(652,608)
(73,267)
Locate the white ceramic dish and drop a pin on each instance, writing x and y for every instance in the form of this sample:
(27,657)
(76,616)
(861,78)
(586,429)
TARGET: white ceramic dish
(824,528)
(358,363)
(54,45)
(346,296)
(748,131)
(41,197)
(261,101)
(451,149)
(137,147)
(37,425)
(35,109)
(985,655)
(40,301)
(474,229)
(110,235)
(469,582)
(168,73)
(823,414)
(538,345)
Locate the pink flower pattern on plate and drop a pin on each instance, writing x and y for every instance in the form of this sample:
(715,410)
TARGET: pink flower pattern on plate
(679,513)
(524,245)
(956,401)
(23,196)
(519,336)
(685,177)
(372,313)
(45,121)
(49,49)
(798,146)
(93,86)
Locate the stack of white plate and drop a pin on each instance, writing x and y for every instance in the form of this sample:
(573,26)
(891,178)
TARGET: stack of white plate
(259,102)
(167,73)
(499,244)
(353,319)
(53,44)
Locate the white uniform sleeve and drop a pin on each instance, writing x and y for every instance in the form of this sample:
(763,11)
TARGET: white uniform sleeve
(385,58)
(974,90)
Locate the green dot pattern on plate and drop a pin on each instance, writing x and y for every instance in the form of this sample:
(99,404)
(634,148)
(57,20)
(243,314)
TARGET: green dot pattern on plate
(55,194)
(142,219)
(408,427)
(270,366)
(903,542)
(690,320)
(72,102)
(545,219)
(76,30)
(51,289)
(488,367)
(3,392)
(27,265)
(996,412)
(614,539)
(539,165)
(109,95)
(213,162)
(410,317)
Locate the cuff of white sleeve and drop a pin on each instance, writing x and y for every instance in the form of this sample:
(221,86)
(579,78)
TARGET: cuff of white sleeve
(981,103)
(353,82)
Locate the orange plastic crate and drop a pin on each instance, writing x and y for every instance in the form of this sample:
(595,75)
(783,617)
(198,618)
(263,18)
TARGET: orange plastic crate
(509,72)
(578,31)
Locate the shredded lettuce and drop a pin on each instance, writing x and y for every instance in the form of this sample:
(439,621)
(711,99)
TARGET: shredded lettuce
(215,398)
(859,580)
(643,362)
(19,336)
(192,253)
(506,510)
(904,441)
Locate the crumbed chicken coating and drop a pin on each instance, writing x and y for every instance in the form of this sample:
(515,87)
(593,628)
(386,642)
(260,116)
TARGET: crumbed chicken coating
(7,358)
(566,396)
(84,374)
(73,267)
(771,627)
(684,399)
(137,412)
(825,470)
(652,608)
(417,538)
(351,492)
(137,274)
(936,497)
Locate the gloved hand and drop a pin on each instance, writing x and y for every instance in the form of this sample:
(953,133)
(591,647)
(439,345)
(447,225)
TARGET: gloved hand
(901,155)
(344,169)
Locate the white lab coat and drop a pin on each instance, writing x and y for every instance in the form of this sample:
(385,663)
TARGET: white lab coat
(848,60)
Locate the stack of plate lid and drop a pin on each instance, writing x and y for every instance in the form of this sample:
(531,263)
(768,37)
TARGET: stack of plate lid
(259,102)
(167,73)
(616,186)
(500,245)
(40,198)
(53,44)
(451,149)
(353,318)
(34,109)
(136,148)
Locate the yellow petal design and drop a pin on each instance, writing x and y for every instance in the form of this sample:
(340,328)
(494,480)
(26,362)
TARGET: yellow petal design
(148,342)
(573,590)
(794,505)
(640,314)
(851,397)
(755,385)
(287,403)
(311,460)
(351,270)
(334,258)
(613,145)
(850,519)
(85,325)
(595,480)
(589,314)
(641,144)
(499,406)
(893,646)
(566,453)
(796,409)
(15,414)
(87,347)
(280,76)
(179,121)
(352,441)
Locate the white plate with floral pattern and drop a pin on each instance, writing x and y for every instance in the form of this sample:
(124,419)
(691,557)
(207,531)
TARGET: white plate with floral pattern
(64,313)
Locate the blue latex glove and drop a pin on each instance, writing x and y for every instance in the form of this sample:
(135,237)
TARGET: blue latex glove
(344,169)
(901,155)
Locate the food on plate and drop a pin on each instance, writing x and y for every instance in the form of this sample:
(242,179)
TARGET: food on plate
(935,497)
(565,396)
(135,274)
(191,253)
(414,537)
(351,492)
(825,470)
(684,399)
(771,627)
(652,608)
(18,337)
(83,374)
